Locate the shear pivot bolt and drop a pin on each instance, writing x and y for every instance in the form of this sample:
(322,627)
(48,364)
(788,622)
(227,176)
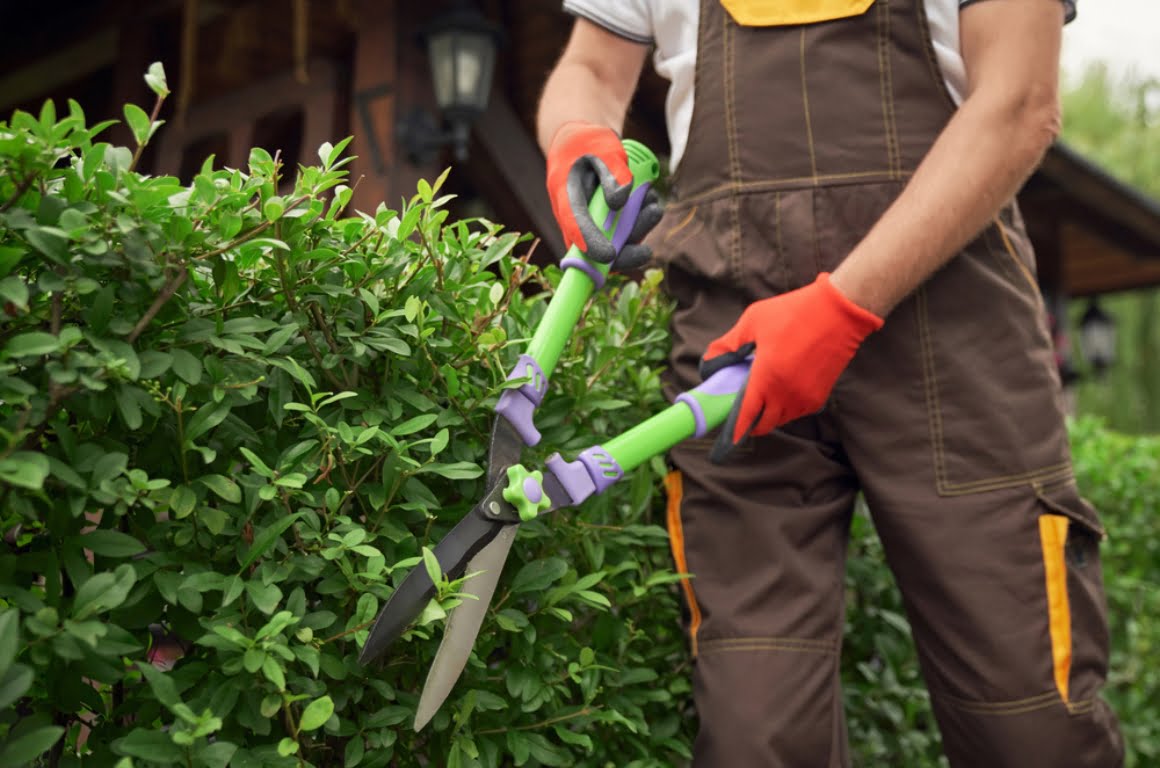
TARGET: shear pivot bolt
(525,492)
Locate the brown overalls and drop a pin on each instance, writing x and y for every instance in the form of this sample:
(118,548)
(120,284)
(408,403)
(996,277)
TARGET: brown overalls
(948,419)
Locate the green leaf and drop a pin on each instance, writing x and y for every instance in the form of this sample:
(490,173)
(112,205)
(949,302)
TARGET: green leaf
(225,488)
(31,745)
(162,686)
(25,469)
(273,209)
(460,470)
(439,442)
(266,539)
(104,591)
(14,684)
(276,624)
(538,575)
(9,638)
(186,366)
(206,418)
(156,80)
(138,122)
(316,714)
(414,424)
(216,755)
(247,326)
(259,465)
(213,519)
(273,672)
(287,746)
(31,344)
(111,543)
(431,563)
(151,746)
(265,597)
(13,290)
(354,752)
(233,590)
(182,501)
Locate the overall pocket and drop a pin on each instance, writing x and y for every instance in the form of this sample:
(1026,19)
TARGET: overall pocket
(784,13)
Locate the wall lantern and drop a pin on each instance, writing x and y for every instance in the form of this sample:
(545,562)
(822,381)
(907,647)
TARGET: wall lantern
(461,47)
(1097,337)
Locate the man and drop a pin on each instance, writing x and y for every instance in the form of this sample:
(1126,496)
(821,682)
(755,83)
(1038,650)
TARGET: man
(842,209)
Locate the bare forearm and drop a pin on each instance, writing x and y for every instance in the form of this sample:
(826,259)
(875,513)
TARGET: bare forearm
(977,165)
(985,153)
(575,92)
(593,82)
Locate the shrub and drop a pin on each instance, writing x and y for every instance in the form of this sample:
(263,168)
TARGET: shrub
(232,414)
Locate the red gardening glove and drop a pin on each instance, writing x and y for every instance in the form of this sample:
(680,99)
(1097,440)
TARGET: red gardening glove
(581,157)
(801,342)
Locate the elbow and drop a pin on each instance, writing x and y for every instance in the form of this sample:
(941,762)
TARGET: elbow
(1035,118)
(1042,122)
(1027,118)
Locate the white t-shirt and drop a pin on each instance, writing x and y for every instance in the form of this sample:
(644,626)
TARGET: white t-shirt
(671,25)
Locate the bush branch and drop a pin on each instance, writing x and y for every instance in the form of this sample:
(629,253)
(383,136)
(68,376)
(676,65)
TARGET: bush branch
(166,294)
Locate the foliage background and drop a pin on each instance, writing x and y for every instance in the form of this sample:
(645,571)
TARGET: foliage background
(1115,121)
(233,412)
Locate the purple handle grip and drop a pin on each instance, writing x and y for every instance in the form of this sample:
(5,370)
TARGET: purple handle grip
(727,381)
(628,215)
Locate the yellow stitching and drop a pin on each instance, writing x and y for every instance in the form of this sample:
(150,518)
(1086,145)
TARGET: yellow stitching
(781,255)
(930,387)
(734,161)
(684,223)
(1050,473)
(1015,257)
(1016,706)
(886,87)
(827,645)
(796,182)
(765,647)
(934,407)
(806,105)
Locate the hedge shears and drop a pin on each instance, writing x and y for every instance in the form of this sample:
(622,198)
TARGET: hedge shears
(479,544)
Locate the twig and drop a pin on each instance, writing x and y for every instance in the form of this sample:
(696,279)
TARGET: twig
(251,234)
(21,188)
(350,631)
(542,724)
(142,144)
(159,302)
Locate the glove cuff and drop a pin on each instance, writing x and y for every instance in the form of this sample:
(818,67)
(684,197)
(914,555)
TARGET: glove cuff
(861,320)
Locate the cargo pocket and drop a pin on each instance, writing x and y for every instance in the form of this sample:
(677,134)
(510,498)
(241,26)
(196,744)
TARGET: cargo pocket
(784,13)
(1070,534)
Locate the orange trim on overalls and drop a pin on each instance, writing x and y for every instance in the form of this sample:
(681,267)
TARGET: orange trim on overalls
(674,485)
(1053,536)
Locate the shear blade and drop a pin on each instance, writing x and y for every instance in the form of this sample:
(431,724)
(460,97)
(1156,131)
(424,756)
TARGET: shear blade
(469,536)
(463,624)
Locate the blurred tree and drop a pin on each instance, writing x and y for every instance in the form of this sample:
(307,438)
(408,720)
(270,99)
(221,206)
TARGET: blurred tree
(1115,121)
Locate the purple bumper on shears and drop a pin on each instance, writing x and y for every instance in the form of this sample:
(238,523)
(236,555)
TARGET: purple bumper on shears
(519,405)
(593,471)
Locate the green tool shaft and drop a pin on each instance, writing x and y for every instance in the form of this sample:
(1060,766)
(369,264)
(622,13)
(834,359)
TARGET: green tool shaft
(667,428)
(576,287)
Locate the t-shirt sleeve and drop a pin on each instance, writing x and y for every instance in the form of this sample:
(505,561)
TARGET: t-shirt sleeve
(1068,8)
(630,19)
